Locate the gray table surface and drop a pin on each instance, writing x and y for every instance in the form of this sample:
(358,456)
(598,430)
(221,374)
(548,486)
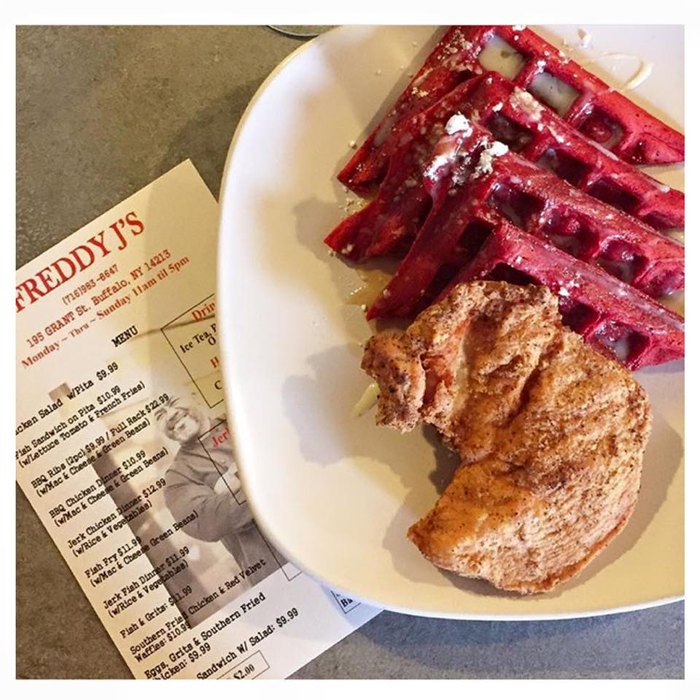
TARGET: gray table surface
(103,111)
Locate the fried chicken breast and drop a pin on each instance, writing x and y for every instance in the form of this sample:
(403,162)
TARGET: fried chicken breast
(550,433)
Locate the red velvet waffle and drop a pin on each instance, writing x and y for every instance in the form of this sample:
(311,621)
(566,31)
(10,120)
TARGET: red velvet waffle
(616,319)
(476,182)
(388,223)
(598,111)
(479,188)
(541,136)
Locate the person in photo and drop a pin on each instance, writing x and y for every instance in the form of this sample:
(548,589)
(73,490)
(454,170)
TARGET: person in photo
(204,481)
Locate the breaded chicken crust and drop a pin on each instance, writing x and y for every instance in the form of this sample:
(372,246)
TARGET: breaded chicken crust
(550,433)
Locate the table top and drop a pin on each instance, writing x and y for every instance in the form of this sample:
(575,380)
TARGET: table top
(103,111)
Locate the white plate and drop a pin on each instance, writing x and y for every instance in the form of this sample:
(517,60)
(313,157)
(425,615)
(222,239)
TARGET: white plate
(335,493)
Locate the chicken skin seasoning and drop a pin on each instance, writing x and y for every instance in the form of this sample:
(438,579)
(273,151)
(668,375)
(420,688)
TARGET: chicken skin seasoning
(550,433)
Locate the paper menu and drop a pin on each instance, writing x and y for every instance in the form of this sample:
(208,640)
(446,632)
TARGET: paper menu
(122,449)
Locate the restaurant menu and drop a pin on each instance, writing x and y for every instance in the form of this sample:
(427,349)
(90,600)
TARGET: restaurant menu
(123,449)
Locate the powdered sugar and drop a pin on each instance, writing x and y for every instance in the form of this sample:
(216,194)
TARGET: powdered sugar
(439,162)
(523,99)
(486,158)
(458,122)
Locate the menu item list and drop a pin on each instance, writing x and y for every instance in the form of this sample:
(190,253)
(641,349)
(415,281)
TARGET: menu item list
(124,451)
